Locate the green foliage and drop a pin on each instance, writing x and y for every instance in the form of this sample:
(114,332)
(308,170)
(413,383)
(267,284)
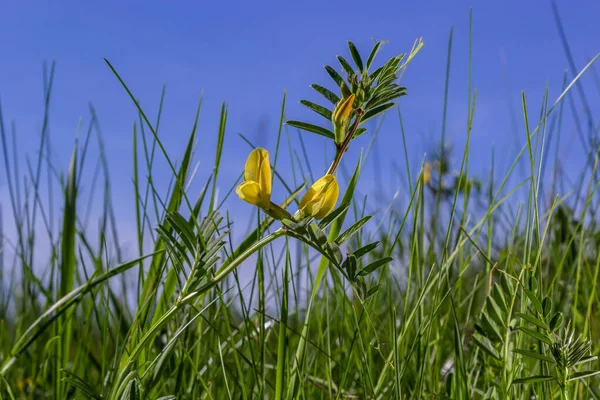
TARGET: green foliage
(463,292)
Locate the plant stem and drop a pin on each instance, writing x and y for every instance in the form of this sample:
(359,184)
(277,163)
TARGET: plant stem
(341,149)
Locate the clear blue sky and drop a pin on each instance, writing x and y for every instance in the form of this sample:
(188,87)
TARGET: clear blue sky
(248,53)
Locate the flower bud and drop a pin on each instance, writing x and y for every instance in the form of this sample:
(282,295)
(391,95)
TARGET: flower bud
(341,118)
(320,199)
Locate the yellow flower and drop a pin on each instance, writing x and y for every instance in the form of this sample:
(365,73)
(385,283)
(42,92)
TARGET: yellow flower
(256,188)
(340,118)
(320,199)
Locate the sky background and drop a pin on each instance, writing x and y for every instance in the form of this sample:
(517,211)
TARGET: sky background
(248,53)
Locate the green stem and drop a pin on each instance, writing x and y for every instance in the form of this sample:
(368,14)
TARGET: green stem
(341,149)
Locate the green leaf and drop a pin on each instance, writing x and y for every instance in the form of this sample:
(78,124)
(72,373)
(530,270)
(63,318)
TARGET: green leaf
(385,97)
(533,285)
(586,360)
(484,344)
(534,379)
(355,56)
(311,128)
(359,132)
(556,321)
(374,265)
(372,113)
(346,65)
(325,222)
(507,285)
(490,329)
(317,108)
(495,312)
(328,94)
(373,54)
(535,335)
(499,297)
(183,228)
(582,374)
(334,251)
(533,320)
(376,73)
(348,233)
(373,290)
(547,306)
(317,234)
(365,249)
(350,266)
(334,75)
(534,300)
(533,354)
(131,391)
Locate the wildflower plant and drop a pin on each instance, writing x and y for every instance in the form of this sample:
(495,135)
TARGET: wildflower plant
(478,313)
(363,95)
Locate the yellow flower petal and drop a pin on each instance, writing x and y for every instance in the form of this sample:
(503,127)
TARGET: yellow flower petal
(258,169)
(321,198)
(258,172)
(250,192)
(344,109)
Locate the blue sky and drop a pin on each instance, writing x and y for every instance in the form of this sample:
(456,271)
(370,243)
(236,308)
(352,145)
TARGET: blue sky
(248,53)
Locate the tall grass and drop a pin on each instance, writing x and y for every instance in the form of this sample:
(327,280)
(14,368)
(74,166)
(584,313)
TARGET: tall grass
(466,292)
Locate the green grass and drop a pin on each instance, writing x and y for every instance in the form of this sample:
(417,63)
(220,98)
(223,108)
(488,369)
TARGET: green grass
(496,296)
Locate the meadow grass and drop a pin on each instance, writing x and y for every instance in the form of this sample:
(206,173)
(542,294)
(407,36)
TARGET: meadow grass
(465,293)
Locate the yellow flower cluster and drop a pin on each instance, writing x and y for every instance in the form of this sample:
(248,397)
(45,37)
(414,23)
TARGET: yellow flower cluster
(318,201)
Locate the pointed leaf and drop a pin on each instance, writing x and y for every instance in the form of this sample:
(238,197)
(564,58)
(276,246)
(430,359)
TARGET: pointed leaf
(581,375)
(355,56)
(317,108)
(507,285)
(484,344)
(535,335)
(373,290)
(374,265)
(328,94)
(536,355)
(533,320)
(348,233)
(334,75)
(586,360)
(359,132)
(388,98)
(373,54)
(499,297)
(537,304)
(556,321)
(495,312)
(534,379)
(372,113)
(547,306)
(334,251)
(346,65)
(317,234)
(325,222)
(365,249)
(490,328)
(311,128)
(349,266)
